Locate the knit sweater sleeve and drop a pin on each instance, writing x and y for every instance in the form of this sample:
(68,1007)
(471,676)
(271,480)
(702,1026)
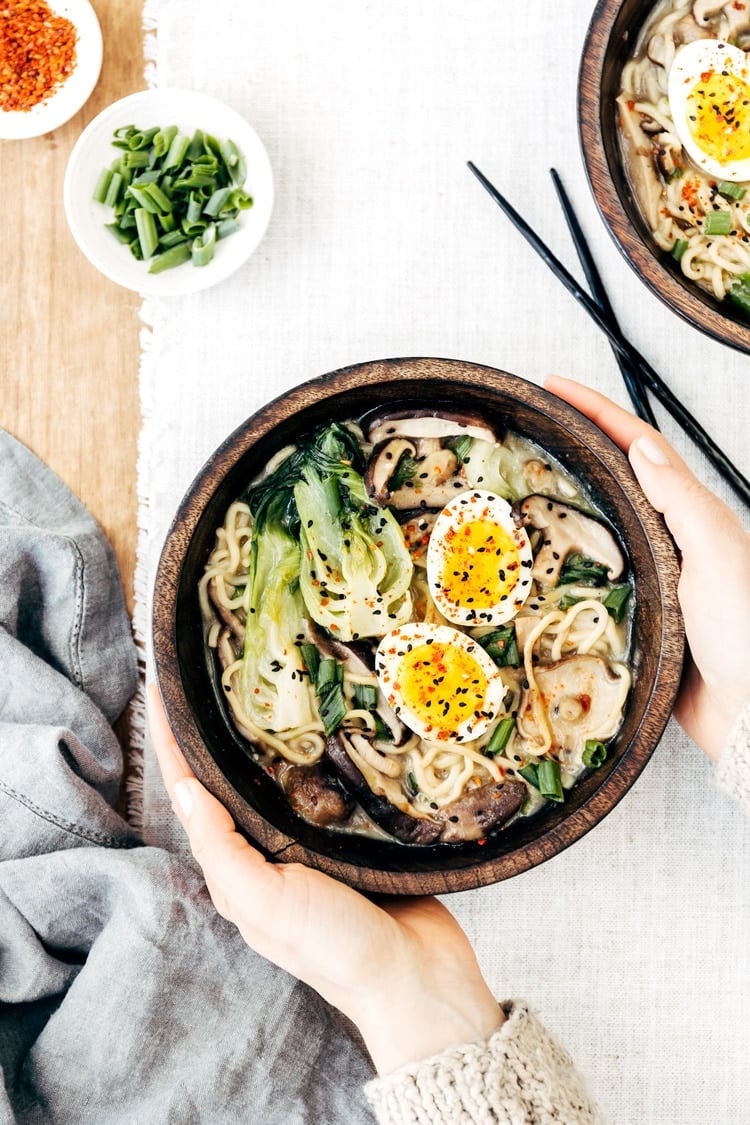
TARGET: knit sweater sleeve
(732,771)
(519,1075)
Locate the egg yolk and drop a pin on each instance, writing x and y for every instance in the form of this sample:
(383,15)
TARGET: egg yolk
(480,565)
(443,685)
(718,112)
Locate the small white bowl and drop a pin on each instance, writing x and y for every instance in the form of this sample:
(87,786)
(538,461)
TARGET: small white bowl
(75,90)
(93,151)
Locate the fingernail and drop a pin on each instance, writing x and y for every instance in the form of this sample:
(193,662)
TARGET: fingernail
(184,797)
(651,450)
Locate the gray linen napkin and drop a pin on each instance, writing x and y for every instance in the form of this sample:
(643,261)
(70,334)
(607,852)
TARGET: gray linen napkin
(124,997)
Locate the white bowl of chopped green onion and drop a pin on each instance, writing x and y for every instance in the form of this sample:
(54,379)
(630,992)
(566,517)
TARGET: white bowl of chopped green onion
(168,191)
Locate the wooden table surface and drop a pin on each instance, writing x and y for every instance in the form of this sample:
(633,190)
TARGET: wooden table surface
(70,337)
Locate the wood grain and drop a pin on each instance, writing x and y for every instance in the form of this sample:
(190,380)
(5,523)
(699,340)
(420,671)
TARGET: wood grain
(70,337)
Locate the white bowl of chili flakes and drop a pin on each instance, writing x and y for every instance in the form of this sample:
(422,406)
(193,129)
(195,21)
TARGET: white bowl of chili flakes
(50,59)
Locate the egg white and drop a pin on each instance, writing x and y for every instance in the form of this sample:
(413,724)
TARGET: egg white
(435,644)
(692,62)
(501,595)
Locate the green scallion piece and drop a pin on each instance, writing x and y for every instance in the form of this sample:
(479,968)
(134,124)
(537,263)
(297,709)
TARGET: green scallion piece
(172,238)
(460,446)
(146,227)
(679,248)
(332,709)
(137,159)
(175,256)
(731,190)
(550,785)
(739,293)
(116,185)
(717,222)
(204,247)
(365,696)
(530,773)
(616,601)
(102,185)
(157,196)
(310,659)
(163,139)
(413,787)
(330,674)
(594,753)
(500,736)
(583,571)
(178,150)
(501,645)
(217,201)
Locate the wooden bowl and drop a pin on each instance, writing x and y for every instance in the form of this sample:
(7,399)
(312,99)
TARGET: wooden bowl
(612,33)
(198,714)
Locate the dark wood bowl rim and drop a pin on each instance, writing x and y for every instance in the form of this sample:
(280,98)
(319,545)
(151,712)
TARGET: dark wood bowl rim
(164,617)
(615,201)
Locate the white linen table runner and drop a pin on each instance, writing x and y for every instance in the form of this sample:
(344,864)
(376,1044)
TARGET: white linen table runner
(633,945)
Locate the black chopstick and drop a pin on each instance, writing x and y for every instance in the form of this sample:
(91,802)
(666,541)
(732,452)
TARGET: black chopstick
(630,373)
(653,381)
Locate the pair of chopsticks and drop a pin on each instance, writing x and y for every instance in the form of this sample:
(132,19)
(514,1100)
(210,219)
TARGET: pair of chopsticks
(638,374)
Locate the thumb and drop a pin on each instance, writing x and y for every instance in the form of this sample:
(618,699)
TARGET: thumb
(694,515)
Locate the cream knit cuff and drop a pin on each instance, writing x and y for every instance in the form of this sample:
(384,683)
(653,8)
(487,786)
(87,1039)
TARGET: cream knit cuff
(732,771)
(519,1075)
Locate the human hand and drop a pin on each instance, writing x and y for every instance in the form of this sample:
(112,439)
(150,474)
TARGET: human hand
(402,969)
(714,586)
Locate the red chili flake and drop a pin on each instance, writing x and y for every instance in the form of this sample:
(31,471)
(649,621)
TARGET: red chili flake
(585,702)
(482,840)
(37,53)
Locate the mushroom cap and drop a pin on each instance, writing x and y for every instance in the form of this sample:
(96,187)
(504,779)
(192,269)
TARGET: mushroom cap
(382,425)
(583,697)
(566,529)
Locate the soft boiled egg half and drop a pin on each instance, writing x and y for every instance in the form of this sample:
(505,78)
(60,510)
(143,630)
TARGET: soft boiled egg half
(709,96)
(439,681)
(478,561)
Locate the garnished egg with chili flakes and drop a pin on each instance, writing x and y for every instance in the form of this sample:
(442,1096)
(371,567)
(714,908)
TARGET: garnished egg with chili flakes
(478,560)
(439,681)
(709,97)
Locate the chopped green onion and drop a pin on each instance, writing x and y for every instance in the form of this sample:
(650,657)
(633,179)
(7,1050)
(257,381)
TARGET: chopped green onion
(501,645)
(550,785)
(332,709)
(583,570)
(191,185)
(594,754)
(567,600)
(102,185)
(500,736)
(146,227)
(679,248)
(204,247)
(366,696)
(330,674)
(175,256)
(717,222)
(460,446)
(405,470)
(116,184)
(413,787)
(310,659)
(616,601)
(730,190)
(530,773)
(739,293)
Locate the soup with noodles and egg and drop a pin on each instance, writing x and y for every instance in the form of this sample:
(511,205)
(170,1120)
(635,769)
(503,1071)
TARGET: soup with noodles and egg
(422,628)
(684,128)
